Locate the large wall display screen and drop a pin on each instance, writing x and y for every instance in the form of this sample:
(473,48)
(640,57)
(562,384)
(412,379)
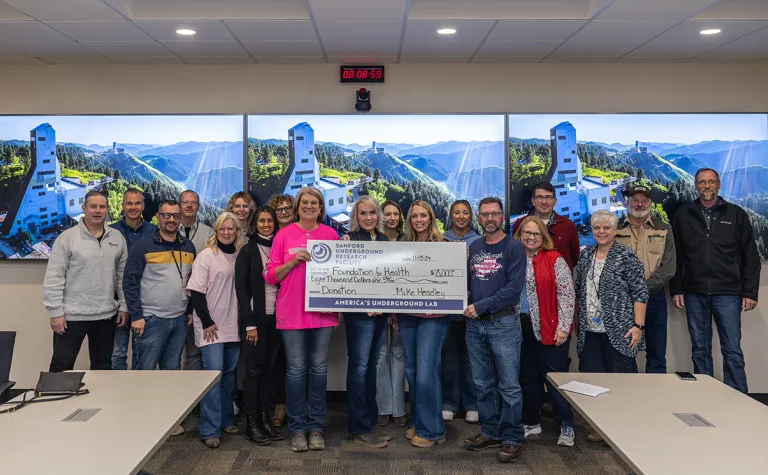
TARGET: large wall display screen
(589,159)
(436,158)
(49,163)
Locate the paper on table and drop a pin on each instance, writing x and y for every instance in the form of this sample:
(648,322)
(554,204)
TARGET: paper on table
(584,388)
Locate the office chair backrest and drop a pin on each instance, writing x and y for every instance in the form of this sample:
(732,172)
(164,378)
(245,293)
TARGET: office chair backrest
(7,340)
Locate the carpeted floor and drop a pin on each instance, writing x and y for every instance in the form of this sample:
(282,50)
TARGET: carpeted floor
(186,455)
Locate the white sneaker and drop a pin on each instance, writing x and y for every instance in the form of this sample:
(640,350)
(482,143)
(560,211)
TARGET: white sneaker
(567,436)
(532,430)
(178,430)
(471,417)
(237,409)
(447,416)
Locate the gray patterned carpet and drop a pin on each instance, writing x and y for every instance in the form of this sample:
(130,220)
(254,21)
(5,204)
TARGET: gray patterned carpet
(186,455)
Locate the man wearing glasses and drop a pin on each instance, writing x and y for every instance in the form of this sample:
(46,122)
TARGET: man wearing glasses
(198,233)
(718,275)
(653,243)
(561,229)
(154,283)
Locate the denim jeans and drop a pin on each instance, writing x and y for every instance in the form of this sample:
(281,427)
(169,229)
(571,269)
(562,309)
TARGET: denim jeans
(536,360)
(599,356)
(656,333)
(161,343)
(458,387)
(306,350)
(216,411)
(390,375)
(120,348)
(494,350)
(423,340)
(726,310)
(364,339)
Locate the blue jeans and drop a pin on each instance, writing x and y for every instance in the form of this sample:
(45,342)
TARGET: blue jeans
(656,333)
(390,375)
(458,386)
(216,411)
(161,343)
(306,350)
(496,344)
(364,339)
(726,310)
(120,348)
(422,344)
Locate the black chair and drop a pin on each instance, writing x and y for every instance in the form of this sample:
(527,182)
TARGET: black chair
(7,340)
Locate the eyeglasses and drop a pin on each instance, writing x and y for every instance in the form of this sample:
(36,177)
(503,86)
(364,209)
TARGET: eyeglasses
(170,215)
(544,198)
(185,203)
(491,214)
(531,234)
(707,182)
(640,202)
(284,209)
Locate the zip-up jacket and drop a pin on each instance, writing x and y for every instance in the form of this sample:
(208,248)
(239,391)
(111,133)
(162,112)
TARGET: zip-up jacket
(564,236)
(721,260)
(156,276)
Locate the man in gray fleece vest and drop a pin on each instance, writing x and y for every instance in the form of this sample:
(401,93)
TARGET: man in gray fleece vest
(84,273)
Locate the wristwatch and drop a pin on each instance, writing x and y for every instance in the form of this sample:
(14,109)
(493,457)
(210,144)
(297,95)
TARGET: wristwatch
(637,325)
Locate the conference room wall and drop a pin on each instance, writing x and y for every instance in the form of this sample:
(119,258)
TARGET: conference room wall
(437,88)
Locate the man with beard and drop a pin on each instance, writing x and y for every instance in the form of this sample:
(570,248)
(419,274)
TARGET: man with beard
(718,275)
(497,265)
(653,243)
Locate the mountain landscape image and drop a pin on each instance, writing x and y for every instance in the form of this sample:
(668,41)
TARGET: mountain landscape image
(162,168)
(666,166)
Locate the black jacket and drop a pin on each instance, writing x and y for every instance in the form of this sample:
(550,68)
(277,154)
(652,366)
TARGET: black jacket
(249,284)
(363,236)
(721,260)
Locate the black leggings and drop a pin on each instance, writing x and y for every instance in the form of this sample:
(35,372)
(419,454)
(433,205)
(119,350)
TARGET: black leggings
(259,364)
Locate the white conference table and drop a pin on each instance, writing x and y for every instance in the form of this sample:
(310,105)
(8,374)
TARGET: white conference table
(138,411)
(636,418)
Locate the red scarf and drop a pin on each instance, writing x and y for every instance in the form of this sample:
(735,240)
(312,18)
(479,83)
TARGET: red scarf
(546,293)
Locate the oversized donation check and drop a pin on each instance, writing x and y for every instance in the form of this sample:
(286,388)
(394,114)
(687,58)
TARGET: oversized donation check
(392,277)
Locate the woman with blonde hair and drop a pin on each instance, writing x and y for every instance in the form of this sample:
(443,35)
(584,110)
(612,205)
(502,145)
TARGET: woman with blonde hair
(306,335)
(546,318)
(423,336)
(242,205)
(212,292)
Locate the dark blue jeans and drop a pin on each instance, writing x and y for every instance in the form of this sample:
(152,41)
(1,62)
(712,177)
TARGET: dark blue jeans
(364,339)
(494,350)
(120,348)
(422,344)
(216,411)
(726,310)
(458,387)
(306,350)
(161,343)
(599,356)
(656,333)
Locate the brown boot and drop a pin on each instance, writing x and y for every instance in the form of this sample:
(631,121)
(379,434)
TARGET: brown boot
(509,452)
(278,417)
(424,443)
(410,433)
(593,436)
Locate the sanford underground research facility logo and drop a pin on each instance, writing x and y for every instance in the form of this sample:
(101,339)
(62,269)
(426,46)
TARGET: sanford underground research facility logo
(321,253)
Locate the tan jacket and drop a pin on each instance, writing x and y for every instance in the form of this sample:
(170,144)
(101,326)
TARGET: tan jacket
(655,246)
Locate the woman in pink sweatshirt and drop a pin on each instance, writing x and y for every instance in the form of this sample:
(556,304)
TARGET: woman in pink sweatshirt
(306,335)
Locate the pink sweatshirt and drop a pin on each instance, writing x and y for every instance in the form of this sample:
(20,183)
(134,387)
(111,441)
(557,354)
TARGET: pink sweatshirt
(290,311)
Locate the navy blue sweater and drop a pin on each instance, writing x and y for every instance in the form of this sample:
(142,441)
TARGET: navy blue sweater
(496,273)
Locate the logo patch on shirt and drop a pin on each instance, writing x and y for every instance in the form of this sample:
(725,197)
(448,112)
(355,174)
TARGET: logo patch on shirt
(113,244)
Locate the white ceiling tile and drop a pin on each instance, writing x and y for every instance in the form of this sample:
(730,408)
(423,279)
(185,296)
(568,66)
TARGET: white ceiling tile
(263,30)
(21,61)
(361,48)
(277,48)
(128,48)
(163,31)
(315,59)
(434,59)
(626,32)
(690,31)
(75,59)
(20,31)
(513,58)
(201,48)
(465,29)
(365,31)
(8,13)
(69,10)
(664,57)
(370,11)
(363,59)
(7,51)
(170,59)
(754,44)
(66,47)
(653,10)
(731,58)
(214,9)
(440,47)
(736,10)
(580,58)
(218,59)
(506,9)
(100,30)
(555,30)
(524,48)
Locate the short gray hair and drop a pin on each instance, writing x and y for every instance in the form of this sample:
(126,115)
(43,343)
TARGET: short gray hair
(603,215)
(354,225)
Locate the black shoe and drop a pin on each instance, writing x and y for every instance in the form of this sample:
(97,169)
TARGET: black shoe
(267,429)
(254,432)
(481,442)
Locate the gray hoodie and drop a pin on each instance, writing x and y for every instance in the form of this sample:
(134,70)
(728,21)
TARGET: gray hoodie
(84,274)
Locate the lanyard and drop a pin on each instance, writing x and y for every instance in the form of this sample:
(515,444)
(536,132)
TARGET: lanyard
(179,264)
(193,228)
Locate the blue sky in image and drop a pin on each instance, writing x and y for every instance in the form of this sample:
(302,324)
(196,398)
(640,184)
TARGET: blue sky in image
(364,129)
(626,128)
(103,130)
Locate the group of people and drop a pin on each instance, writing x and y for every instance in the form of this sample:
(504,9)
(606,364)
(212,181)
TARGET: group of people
(231,298)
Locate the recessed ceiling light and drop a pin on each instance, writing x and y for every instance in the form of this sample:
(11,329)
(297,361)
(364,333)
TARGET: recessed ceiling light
(185,32)
(446,31)
(712,31)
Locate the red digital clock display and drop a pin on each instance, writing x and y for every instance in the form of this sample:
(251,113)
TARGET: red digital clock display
(362,74)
